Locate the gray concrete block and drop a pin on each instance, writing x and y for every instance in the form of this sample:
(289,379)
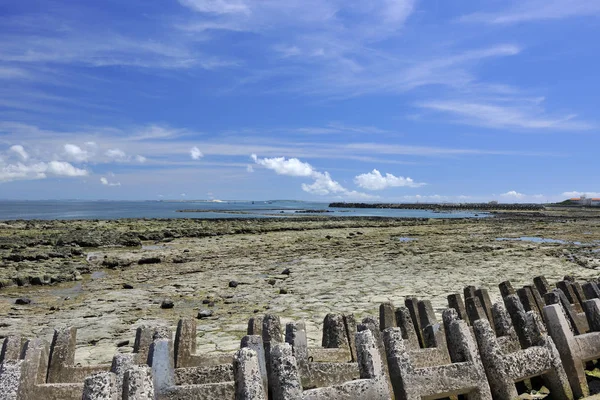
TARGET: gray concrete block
(138,384)
(161,361)
(334,332)
(506,289)
(542,285)
(185,343)
(248,379)
(456,302)
(486,303)
(10,379)
(285,383)
(100,386)
(504,369)
(254,342)
(11,348)
(407,327)
(387,316)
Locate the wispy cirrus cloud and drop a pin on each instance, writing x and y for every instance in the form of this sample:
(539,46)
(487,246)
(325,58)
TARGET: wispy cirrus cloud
(518,114)
(536,10)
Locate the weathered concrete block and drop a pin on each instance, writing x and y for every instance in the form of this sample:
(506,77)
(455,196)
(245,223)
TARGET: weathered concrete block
(503,370)
(469,291)
(412,304)
(557,296)
(456,302)
(161,361)
(62,354)
(387,316)
(248,379)
(519,319)
(255,343)
(185,343)
(474,309)
(138,384)
(506,289)
(541,284)
(295,335)
(121,363)
(486,303)
(569,291)
(100,386)
(11,348)
(10,379)
(334,332)
(466,375)
(286,382)
(591,290)
(407,327)
(272,335)
(255,325)
(350,324)
(574,349)
(426,313)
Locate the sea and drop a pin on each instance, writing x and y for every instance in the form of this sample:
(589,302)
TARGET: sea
(106,210)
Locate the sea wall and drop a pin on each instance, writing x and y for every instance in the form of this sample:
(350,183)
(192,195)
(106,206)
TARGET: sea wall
(540,335)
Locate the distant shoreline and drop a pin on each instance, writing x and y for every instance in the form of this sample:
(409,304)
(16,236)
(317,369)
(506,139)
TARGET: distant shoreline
(442,206)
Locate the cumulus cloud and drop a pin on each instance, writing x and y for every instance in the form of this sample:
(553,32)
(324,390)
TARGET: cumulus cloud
(375,181)
(76,153)
(40,170)
(579,194)
(283,166)
(62,168)
(249,168)
(513,194)
(323,184)
(105,182)
(140,159)
(116,154)
(18,149)
(195,153)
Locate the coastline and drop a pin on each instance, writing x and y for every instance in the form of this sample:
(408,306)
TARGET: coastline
(336,264)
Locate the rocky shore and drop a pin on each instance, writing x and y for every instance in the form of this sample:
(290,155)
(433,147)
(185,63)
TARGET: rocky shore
(108,277)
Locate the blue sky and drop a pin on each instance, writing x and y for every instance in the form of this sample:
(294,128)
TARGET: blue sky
(385,100)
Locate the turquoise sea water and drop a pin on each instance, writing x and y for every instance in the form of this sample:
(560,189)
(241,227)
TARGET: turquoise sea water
(53,209)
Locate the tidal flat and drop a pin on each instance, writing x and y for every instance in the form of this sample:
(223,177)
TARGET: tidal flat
(108,277)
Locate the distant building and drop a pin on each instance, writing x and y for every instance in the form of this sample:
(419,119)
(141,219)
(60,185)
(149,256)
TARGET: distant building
(585,201)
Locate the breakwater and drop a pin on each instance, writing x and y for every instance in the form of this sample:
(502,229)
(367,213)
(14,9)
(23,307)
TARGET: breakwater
(442,206)
(477,348)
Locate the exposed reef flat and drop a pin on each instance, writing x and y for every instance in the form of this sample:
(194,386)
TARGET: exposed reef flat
(108,277)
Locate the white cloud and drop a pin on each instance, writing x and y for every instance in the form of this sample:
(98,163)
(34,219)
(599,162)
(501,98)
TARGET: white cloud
(537,10)
(76,153)
(18,149)
(62,168)
(283,166)
(195,153)
(323,184)
(116,154)
(105,182)
(579,194)
(514,194)
(217,6)
(140,159)
(249,168)
(523,114)
(375,181)
(39,170)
